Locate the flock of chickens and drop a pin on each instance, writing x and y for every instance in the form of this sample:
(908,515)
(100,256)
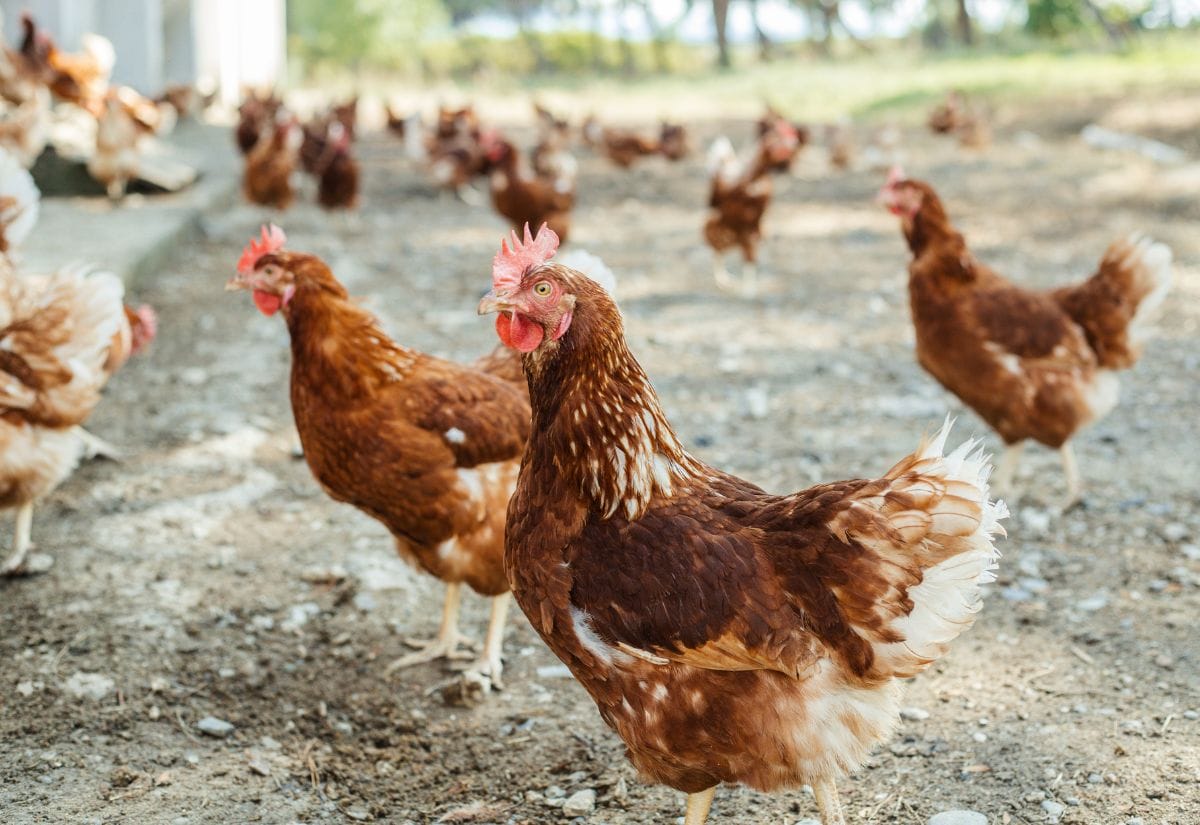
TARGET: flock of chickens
(727,634)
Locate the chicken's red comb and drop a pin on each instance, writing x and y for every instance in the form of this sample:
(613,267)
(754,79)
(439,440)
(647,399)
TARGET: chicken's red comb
(510,265)
(272,240)
(895,175)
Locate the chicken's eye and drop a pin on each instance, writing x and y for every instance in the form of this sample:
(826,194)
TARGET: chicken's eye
(542,289)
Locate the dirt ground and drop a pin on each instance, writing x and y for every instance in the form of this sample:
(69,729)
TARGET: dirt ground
(208,576)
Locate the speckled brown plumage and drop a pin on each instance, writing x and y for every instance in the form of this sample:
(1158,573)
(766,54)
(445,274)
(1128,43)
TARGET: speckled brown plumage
(528,200)
(267,178)
(426,446)
(1033,364)
(725,633)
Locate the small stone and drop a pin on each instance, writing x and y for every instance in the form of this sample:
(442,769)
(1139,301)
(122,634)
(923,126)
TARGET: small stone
(192,758)
(1191,551)
(1191,714)
(914,714)
(365,601)
(358,814)
(212,726)
(1093,603)
(259,766)
(1135,820)
(1073,801)
(958,818)
(194,376)
(808,822)
(1174,531)
(1095,779)
(93,686)
(620,791)
(979,737)
(25,688)
(1054,810)
(580,803)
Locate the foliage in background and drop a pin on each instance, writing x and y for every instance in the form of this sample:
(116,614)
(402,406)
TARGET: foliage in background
(433,39)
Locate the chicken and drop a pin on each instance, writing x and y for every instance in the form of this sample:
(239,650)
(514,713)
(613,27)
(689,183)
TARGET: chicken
(946,117)
(1033,364)
(24,108)
(267,179)
(337,187)
(347,115)
(955,115)
(624,147)
(551,158)
(770,129)
(116,159)
(19,203)
(454,152)
(673,141)
(839,139)
(56,338)
(521,199)
(739,196)
(428,447)
(81,78)
(726,634)
(256,115)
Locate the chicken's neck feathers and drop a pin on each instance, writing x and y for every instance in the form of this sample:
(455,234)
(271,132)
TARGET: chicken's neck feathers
(341,345)
(599,424)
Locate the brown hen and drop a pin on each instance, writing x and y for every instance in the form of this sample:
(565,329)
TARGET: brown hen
(428,447)
(725,633)
(1033,364)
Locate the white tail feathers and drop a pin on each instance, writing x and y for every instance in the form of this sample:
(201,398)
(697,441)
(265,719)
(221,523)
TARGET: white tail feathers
(19,201)
(590,265)
(960,518)
(1151,262)
(722,158)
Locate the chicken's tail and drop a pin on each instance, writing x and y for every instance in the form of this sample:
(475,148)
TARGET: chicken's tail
(931,525)
(1116,305)
(19,202)
(721,157)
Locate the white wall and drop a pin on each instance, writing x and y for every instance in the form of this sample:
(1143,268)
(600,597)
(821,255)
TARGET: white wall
(220,43)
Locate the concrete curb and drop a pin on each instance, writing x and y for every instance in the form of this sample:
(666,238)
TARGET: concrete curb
(137,236)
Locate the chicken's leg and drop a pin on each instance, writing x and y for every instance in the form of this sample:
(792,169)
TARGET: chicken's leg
(485,675)
(750,279)
(698,805)
(720,272)
(1071,471)
(24,523)
(445,645)
(828,803)
(1006,471)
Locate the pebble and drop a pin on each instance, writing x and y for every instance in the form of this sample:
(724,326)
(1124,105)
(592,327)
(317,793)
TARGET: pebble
(1093,603)
(93,686)
(1174,531)
(194,376)
(1053,809)
(958,818)
(808,822)
(1191,714)
(979,737)
(580,803)
(358,814)
(914,714)
(1135,820)
(1191,551)
(1095,779)
(259,766)
(212,726)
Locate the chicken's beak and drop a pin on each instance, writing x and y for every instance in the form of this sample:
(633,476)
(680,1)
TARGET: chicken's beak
(237,282)
(494,303)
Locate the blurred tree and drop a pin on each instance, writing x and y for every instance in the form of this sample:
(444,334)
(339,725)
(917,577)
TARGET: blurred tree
(720,12)
(764,42)
(663,33)
(355,33)
(965,31)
